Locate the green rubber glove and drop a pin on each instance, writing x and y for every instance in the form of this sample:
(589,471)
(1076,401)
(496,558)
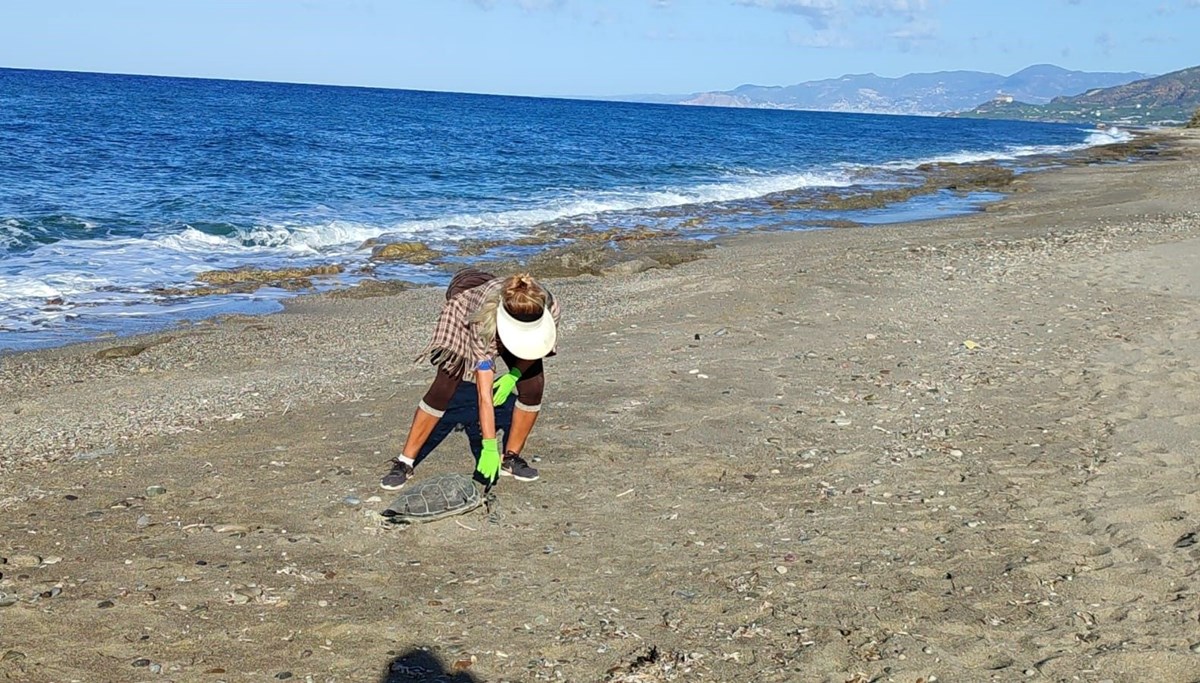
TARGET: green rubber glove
(489,462)
(503,386)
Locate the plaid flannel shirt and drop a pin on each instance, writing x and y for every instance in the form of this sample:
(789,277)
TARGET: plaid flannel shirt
(458,345)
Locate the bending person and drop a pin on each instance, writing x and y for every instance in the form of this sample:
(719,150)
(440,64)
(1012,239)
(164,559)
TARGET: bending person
(486,317)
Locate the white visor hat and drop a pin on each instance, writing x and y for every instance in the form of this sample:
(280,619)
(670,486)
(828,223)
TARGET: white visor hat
(526,340)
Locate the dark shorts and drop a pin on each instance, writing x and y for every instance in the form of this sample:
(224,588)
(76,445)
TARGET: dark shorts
(467,278)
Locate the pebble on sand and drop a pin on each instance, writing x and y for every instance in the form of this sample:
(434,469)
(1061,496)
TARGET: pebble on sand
(24,561)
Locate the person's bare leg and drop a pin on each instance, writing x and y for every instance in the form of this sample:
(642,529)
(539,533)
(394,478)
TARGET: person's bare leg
(422,426)
(402,465)
(522,425)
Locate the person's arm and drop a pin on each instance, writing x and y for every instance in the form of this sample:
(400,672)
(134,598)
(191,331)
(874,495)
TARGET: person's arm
(487,413)
(488,467)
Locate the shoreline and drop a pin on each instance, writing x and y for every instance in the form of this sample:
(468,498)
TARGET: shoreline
(929,191)
(959,448)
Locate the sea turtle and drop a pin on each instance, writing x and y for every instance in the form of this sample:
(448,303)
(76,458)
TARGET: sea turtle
(439,496)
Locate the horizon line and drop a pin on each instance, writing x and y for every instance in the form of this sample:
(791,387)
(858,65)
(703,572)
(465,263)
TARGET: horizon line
(231,79)
(614,97)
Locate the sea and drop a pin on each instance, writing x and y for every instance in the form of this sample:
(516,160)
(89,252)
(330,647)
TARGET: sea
(118,191)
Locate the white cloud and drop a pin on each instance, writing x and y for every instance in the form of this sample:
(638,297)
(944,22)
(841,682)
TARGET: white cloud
(665,36)
(535,5)
(834,22)
(828,38)
(916,31)
(527,5)
(1159,39)
(823,14)
(907,8)
(819,13)
(910,36)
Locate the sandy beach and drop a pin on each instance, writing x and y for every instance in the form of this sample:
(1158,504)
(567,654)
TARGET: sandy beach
(955,450)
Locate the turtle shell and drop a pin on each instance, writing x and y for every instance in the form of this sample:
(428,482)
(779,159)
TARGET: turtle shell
(439,496)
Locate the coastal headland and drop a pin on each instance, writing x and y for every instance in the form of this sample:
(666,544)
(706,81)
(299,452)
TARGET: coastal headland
(954,450)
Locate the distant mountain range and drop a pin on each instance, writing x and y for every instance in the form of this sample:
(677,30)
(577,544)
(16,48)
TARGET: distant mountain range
(921,93)
(1170,98)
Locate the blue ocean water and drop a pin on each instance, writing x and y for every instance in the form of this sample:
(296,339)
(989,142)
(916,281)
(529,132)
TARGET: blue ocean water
(113,187)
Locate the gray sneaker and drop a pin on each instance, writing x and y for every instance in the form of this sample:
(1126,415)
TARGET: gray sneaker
(397,477)
(515,466)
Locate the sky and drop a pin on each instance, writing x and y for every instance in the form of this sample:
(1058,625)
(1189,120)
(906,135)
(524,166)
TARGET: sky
(566,48)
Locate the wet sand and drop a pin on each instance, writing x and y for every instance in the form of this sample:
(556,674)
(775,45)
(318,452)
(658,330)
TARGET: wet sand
(959,450)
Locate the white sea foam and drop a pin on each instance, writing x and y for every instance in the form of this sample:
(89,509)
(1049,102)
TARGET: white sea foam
(335,237)
(11,233)
(1107,136)
(311,237)
(189,240)
(111,275)
(508,223)
(1096,138)
(35,289)
(16,288)
(758,187)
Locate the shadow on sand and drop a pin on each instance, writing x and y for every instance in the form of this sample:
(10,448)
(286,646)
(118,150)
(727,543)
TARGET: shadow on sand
(463,416)
(422,666)
(419,665)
